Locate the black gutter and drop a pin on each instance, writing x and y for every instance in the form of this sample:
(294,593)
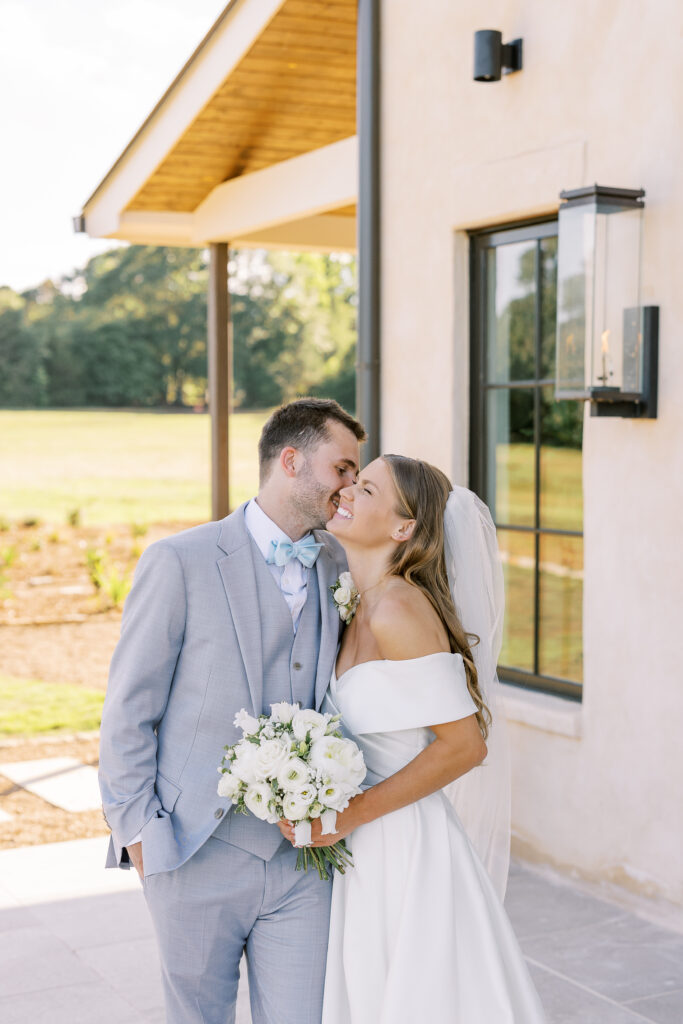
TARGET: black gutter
(369,225)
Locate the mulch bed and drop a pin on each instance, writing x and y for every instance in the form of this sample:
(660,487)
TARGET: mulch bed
(56,626)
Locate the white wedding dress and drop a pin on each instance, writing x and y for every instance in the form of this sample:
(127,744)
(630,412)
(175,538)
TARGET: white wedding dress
(417,933)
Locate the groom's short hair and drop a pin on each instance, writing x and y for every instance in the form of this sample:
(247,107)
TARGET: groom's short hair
(303,425)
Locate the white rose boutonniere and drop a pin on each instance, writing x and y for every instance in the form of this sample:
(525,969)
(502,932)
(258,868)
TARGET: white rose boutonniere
(345,596)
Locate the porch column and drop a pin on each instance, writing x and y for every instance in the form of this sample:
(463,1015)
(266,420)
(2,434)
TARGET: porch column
(220,377)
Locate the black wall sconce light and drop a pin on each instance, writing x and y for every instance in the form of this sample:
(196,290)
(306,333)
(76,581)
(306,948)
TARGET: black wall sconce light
(492,56)
(607,342)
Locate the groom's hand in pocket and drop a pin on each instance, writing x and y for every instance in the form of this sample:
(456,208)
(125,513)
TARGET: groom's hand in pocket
(135,857)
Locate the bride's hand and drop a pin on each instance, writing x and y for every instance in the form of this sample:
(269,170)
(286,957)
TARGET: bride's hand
(347,821)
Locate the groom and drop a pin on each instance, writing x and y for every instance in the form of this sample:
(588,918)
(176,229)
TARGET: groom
(228,615)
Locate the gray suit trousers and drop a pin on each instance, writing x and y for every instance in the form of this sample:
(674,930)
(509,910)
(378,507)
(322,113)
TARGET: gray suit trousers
(223,901)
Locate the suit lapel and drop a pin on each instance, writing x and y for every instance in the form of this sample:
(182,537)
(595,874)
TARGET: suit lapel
(329,633)
(239,581)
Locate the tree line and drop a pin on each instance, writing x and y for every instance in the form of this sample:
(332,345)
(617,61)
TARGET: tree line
(129,329)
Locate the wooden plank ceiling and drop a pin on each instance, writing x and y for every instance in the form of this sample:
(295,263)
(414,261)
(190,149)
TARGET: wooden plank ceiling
(292,92)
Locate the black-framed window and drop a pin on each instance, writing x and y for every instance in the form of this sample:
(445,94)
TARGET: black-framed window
(525,455)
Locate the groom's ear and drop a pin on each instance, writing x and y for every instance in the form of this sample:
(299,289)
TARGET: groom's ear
(404,532)
(289,461)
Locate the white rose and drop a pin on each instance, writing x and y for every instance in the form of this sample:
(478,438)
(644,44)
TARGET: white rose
(338,759)
(246,722)
(306,721)
(257,798)
(296,803)
(229,785)
(335,795)
(293,774)
(270,757)
(243,767)
(283,712)
(342,595)
(346,580)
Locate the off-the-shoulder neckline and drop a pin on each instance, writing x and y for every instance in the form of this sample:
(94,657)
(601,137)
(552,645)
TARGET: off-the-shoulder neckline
(390,661)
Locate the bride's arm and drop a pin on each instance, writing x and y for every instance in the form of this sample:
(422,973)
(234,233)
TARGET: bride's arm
(458,747)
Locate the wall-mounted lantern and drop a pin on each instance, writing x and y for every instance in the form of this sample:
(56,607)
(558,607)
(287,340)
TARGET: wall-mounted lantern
(607,343)
(492,55)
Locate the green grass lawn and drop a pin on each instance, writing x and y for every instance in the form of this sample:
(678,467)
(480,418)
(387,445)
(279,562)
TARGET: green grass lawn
(561,486)
(118,467)
(29,706)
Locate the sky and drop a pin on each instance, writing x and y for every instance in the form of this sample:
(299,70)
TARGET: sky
(77,79)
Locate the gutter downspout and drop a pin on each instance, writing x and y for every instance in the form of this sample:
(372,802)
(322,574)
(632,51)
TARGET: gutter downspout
(369,225)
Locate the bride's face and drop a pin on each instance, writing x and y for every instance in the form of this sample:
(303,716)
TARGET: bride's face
(367,516)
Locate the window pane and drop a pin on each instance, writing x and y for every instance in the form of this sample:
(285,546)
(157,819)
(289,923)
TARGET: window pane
(548,306)
(561,480)
(560,651)
(517,554)
(510,464)
(511,302)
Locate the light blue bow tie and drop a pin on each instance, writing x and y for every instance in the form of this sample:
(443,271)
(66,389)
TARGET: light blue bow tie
(284,551)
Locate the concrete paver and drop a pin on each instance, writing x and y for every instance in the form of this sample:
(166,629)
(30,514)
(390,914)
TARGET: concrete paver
(76,946)
(62,781)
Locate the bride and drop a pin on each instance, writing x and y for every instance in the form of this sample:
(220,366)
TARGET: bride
(418,932)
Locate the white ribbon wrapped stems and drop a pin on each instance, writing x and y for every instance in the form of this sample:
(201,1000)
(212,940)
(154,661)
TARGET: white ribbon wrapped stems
(328,820)
(302,834)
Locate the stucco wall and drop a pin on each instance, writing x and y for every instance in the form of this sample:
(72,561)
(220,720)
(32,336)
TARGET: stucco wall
(600,99)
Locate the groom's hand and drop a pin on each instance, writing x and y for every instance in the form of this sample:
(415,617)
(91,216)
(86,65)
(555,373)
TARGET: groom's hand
(135,856)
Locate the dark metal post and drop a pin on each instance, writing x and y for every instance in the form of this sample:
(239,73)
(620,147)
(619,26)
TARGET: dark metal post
(369,225)
(220,377)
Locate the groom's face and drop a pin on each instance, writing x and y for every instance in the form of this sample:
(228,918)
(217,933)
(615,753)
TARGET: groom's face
(329,467)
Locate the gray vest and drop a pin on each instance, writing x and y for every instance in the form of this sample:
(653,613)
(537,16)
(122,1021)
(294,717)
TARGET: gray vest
(290,663)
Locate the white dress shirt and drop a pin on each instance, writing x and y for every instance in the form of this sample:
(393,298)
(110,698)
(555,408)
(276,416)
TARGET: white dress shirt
(290,578)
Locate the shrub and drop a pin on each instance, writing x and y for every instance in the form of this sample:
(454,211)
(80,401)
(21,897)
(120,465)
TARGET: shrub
(94,560)
(115,585)
(8,555)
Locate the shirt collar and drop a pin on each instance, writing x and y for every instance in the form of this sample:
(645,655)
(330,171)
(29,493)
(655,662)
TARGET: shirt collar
(263,529)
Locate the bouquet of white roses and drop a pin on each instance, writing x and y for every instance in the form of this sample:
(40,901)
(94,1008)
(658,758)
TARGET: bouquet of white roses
(296,765)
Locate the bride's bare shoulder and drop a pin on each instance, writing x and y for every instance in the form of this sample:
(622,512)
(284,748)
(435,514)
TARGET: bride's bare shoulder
(404,623)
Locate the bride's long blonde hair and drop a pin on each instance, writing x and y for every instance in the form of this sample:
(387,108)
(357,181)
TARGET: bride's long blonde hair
(422,492)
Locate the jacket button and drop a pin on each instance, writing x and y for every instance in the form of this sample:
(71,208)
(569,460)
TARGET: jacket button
(297,664)
(218,813)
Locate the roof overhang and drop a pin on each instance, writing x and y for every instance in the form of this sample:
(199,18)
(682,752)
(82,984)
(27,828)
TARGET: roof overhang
(253,143)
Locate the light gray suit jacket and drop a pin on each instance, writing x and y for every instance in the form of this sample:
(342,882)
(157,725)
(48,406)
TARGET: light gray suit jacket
(188,659)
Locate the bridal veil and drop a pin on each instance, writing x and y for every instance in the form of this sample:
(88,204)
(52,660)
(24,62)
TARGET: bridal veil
(481,798)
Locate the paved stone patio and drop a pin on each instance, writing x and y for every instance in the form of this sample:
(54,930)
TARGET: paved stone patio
(63,781)
(76,946)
